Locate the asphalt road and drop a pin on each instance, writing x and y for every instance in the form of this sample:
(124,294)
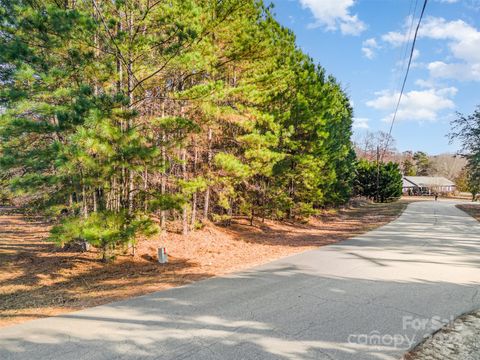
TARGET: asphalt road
(371,297)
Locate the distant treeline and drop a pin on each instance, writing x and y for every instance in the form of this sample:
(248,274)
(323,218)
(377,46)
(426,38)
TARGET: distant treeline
(412,163)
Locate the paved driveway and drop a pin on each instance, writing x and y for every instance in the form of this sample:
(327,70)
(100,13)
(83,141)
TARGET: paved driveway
(366,298)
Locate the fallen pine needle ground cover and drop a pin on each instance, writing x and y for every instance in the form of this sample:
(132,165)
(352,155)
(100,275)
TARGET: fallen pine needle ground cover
(38,279)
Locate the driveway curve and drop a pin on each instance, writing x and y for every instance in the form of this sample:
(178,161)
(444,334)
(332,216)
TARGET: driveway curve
(371,297)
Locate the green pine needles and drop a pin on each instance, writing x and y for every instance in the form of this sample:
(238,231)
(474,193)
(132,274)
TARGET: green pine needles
(381,182)
(119,117)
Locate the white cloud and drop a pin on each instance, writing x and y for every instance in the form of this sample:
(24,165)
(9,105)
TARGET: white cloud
(360,123)
(368,53)
(424,83)
(416,105)
(368,48)
(398,38)
(394,38)
(372,42)
(463,41)
(459,71)
(335,15)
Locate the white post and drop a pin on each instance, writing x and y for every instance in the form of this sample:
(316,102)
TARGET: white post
(162,255)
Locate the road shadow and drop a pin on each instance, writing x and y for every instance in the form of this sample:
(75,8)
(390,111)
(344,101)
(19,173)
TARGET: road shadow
(284,312)
(373,297)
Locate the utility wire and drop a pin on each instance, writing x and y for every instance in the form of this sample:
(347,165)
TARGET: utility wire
(408,36)
(404,80)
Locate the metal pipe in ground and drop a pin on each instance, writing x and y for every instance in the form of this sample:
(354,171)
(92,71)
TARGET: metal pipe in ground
(162,255)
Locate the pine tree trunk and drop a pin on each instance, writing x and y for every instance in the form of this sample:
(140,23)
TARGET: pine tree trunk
(130,85)
(124,189)
(70,203)
(264,200)
(194,211)
(230,213)
(145,189)
(130,191)
(209,160)
(85,212)
(94,200)
(194,199)
(185,206)
(163,185)
(122,194)
(207,202)
(115,201)
(84,202)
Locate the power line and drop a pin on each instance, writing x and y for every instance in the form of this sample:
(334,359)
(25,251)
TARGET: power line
(403,50)
(407,37)
(404,79)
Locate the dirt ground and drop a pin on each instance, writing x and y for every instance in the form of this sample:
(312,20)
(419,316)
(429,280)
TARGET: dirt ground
(458,340)
(38,279)
(471,209)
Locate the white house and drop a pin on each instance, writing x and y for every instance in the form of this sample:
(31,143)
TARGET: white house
(427,185)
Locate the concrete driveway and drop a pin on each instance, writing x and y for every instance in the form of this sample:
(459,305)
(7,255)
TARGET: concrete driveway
(371,297)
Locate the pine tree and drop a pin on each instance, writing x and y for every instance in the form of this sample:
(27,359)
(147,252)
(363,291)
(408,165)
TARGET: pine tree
(121,116)
(381,182)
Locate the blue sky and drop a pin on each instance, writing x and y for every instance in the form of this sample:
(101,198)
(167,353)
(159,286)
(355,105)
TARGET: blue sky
(362,43)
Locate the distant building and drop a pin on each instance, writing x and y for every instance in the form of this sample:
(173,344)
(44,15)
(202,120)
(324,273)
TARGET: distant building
(427,185)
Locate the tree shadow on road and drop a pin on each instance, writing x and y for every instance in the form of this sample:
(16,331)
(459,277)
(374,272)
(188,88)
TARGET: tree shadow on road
(285,312)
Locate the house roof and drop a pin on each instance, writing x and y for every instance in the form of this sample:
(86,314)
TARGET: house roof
(407,184)
(426,181)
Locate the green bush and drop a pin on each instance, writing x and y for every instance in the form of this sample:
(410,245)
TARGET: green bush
(105,230)
(379,182)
